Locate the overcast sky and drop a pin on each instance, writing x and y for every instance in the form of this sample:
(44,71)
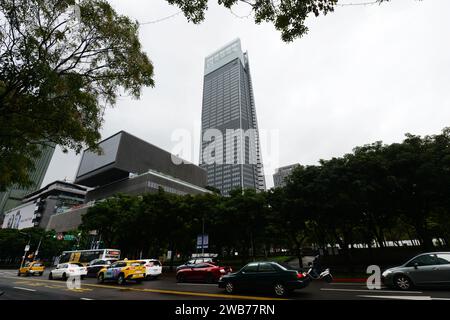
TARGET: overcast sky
(361,74)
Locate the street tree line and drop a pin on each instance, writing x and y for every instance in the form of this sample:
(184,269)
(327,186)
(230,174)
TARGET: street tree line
(375,194)
(13,242)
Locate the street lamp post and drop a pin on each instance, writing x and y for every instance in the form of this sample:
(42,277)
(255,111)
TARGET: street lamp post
(27,248)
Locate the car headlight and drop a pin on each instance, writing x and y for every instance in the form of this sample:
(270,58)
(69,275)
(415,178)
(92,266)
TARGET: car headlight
(386,273)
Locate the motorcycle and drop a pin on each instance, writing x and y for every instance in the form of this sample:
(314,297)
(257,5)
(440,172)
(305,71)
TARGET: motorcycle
(315,271)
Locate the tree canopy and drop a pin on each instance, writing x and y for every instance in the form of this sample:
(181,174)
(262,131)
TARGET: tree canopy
(60,66)
(377,193)
(287,16)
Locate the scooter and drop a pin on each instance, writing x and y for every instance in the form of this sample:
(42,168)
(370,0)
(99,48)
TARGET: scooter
(315,271)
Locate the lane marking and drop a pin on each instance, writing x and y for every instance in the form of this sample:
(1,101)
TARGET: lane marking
(197,284)
(173,292)
(368,290)
(86,299)
(346,284)
(25,289)
(398,297)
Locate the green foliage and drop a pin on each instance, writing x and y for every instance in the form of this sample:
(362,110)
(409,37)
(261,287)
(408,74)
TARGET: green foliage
(59,68)
(13,242)
(288,16)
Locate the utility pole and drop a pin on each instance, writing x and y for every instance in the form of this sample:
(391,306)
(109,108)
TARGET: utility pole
(27,248)
(203,235)
(37,250)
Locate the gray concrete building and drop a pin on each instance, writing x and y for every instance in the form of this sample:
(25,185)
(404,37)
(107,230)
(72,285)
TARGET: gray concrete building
(38,207)
(279,178)
(132,166)
(13,197)
(232,160)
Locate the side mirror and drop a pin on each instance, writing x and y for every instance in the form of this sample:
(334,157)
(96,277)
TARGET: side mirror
(416,265)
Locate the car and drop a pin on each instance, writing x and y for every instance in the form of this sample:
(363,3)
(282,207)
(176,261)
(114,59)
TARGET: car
(98,264)
(196,261)
(153,268)
(424,270)
(205,272)
(64,271)
(32,268)
(265,276)
(122,271)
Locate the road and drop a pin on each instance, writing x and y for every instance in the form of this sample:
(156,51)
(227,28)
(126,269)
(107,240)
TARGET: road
(166,288)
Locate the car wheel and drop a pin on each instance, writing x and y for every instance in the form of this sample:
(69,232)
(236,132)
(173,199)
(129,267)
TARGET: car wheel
(18,274)
(280,290)
(121,279)
(50,276)
(229,287)
(181,278)
(402,282)
(138,281)
(41,273)
(64,277)
(101,278)
(82,277)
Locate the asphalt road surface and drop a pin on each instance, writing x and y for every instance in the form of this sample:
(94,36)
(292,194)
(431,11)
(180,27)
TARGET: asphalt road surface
(166,288)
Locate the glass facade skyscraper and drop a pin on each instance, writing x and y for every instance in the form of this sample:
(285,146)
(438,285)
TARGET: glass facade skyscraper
(230,150)
(12,197)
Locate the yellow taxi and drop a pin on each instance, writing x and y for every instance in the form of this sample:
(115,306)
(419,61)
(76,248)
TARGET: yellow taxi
(32,268)
(122,271)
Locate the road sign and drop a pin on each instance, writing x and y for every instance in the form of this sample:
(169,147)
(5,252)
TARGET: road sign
(202,241)
(69,237)
(27,247)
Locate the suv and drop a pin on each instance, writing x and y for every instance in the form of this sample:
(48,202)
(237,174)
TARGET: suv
(121,271)
(98,264)
(153,268)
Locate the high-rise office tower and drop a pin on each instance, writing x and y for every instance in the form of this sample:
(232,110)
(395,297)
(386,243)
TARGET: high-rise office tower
(230,150)
(12,197)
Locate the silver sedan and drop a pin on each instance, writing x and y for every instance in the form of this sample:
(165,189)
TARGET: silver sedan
(426,269)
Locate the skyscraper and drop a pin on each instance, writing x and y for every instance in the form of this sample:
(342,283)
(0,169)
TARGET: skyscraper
(230,150)
(281,174)
(12,197)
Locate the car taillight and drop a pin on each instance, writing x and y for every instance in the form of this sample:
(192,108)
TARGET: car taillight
(300,275)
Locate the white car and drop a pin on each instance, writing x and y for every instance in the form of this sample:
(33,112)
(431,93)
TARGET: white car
(66,270)
(153,268)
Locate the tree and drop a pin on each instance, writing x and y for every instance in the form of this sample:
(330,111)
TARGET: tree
(60,66)
(288,16)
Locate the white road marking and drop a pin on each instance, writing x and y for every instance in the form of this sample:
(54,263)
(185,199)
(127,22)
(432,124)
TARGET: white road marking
(398,297)
(347,284)
(26,289)
(368,290)
(86,299)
